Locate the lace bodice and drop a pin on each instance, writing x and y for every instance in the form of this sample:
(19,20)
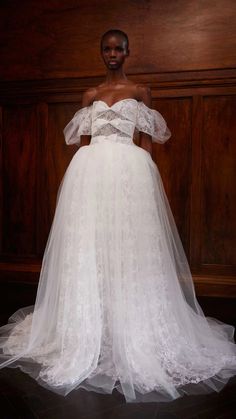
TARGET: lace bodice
(116,123)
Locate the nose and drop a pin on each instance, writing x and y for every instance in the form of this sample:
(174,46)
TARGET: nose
(113,53)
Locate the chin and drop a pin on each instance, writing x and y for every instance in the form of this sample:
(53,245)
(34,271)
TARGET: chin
(113,67)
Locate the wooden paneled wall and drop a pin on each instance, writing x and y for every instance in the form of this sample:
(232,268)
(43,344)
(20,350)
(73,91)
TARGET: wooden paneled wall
(52,39)
(185,51)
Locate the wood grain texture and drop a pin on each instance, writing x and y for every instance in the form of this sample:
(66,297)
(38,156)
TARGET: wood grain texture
(19,180)
(218,221)
(58,39)
(1,181)
(195,208)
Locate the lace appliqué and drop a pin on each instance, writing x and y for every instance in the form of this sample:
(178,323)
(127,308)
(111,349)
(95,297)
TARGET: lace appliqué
(112,124)
(116,123)
(79,125)
(152,122)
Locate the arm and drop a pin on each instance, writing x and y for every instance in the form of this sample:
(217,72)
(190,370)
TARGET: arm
(144,95)
(87,100)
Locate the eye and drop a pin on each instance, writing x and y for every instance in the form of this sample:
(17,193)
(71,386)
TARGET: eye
(106,49)
(119,49)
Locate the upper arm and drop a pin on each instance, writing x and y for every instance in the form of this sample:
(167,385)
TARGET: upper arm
(87,100)
(144,95)
(88,97)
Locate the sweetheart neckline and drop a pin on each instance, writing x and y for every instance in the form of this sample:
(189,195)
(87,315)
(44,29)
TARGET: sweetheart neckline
(118,101)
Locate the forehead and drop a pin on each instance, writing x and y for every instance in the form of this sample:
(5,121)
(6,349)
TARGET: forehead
(114,40)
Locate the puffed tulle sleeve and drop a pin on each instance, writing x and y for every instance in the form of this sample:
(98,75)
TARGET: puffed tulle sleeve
(152,122)
(79,125)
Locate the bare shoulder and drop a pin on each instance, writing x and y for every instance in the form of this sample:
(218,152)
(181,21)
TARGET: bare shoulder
(144,94)
(88,96)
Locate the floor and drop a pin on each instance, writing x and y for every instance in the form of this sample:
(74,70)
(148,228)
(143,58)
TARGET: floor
(22,398)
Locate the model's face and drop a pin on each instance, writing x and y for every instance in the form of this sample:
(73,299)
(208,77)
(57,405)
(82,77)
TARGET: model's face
(114,51)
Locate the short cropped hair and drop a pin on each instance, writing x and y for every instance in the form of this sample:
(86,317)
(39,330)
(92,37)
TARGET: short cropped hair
(115,32)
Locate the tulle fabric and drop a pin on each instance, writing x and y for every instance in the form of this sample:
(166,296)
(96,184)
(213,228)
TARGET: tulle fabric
(115,306)
(151,122)
(81,124)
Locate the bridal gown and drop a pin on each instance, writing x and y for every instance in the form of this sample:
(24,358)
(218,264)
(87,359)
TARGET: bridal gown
(116,306)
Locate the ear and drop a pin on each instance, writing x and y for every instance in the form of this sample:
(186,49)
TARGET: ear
(127,53)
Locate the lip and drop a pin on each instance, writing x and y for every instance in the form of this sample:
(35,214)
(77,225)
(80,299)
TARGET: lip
(112,62)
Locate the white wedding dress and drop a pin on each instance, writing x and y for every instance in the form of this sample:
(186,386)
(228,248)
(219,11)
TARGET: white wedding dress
(115,306)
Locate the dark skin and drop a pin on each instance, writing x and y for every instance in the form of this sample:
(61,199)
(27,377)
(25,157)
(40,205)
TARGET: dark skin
(116,86)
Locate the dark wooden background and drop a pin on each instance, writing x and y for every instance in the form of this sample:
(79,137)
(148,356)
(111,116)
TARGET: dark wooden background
(185,50)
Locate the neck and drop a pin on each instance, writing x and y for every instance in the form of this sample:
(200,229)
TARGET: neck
(115,76)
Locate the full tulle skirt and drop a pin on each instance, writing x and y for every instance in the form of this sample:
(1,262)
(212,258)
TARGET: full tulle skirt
(116,306)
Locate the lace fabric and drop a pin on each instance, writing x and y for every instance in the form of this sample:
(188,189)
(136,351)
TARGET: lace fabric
(101,120)
(116,306)
(80,124)
(152,122)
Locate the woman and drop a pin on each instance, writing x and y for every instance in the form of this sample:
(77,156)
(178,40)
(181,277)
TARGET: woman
(116,306)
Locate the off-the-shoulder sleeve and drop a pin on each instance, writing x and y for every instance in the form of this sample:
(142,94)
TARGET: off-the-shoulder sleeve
(79,125)
(152,122)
